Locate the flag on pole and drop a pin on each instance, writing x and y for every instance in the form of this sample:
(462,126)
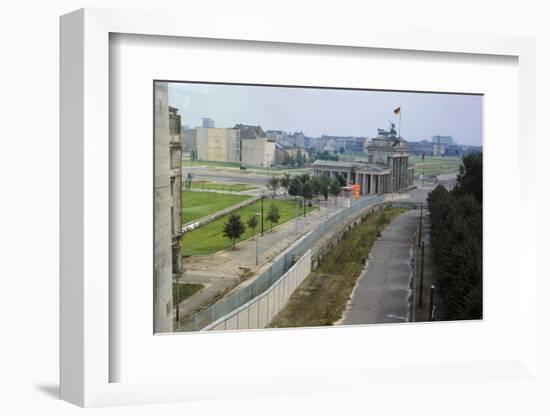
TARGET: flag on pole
(397,111)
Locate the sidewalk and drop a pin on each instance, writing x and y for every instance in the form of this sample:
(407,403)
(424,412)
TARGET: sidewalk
(383,292)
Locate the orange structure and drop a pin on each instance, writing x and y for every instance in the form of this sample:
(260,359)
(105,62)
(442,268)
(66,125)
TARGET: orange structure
(354,190)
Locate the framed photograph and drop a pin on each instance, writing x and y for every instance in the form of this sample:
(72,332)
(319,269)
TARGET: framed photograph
(249,214)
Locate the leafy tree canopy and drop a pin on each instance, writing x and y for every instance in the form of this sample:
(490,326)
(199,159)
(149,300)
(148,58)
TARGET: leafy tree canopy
(233,228)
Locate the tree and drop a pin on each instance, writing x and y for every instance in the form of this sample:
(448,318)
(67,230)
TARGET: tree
(286,159)
(456,240)
(304,177)
(469,180)
(307,192)
(299,159)
(341,179)
(316,185)
(292,160)
(285,181)
(252,222)
(335,188)
(233,228)
(273,215)
(273,183)
(295,187)
(325,185)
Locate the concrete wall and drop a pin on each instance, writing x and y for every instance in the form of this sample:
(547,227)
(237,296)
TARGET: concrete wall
(261,310)
(278,266)
(162,297)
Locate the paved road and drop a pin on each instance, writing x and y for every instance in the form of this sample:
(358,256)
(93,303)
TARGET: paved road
(382,292)
(221,176)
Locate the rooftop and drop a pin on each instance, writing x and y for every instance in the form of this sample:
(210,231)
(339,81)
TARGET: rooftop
(374,167)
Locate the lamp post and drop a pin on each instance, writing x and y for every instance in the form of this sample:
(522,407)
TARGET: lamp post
(326,200)
(421,276)
(296,216)
(262,209)
(420,227)
(257,238)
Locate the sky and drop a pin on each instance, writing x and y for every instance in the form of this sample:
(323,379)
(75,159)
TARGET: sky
(330,111)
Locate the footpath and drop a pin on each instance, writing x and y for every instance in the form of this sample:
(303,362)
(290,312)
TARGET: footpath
(383,292)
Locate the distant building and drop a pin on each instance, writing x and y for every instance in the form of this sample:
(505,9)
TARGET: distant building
(258,152)
(349,144)
(207,123)
(257,149)
(248,132)
(217,144)
(286,150)
(299,139)
(423,147)
(387,169)
(437,147)
(447,140)
(189,139)
(277,135)
(459,150)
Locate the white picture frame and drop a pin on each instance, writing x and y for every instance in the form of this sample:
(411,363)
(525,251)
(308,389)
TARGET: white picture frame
(85,165)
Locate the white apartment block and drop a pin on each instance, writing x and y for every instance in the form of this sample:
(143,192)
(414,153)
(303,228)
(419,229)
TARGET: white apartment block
(258,152)
(218,144)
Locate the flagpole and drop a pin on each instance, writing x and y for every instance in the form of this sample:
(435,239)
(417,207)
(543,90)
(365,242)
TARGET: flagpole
(399,132)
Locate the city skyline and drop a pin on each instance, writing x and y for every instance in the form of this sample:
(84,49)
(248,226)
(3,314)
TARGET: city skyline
(336,112)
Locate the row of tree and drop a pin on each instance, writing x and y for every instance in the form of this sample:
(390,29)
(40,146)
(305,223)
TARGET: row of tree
(294,161)
(324,155)
(308,187)
(456,238)
(234,228)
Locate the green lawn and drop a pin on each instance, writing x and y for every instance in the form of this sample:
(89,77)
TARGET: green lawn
(435,165)
(209,239)
(249,169)
(234,187)
(200,204)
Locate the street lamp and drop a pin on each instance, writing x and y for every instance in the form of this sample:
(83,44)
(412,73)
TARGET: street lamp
(326,199)
(257,238)
(262,209)
(296,216)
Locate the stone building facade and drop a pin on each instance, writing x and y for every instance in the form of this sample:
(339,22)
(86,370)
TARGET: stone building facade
(167,207)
